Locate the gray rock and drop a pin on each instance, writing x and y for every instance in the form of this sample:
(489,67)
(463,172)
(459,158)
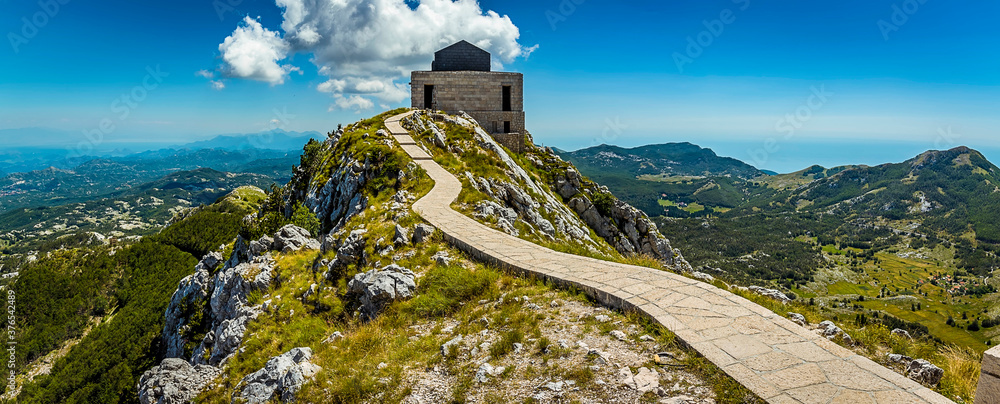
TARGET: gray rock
(191,293)
(703,276)
(486,371)
(831,331)
(625,378)
(260,246)
(282,376)
(681,399)
(772,293)
(554,386)
(923,371)
(600,357)
(293,238)
(402,236)
(901,333)
(454,343)
(222,299)
(231,311)
(646,380)
(619,335)
(341,197)
(350,251)
(441,258)
(490,209)
(897,358)
(422,232)
(798,319)
(174,381)
(336,336)
(378,288)
(602,318)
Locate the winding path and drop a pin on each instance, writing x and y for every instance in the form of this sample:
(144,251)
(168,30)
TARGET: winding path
(776,359)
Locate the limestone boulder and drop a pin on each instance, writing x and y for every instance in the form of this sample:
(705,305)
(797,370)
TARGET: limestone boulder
(924,372)
(281,377)
(376,289)
(174,381)
(422,232)
(294,238)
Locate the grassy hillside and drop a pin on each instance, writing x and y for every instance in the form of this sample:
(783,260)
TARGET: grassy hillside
(674,179)
(124,291)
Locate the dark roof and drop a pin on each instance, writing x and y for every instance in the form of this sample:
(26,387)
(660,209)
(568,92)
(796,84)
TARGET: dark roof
(461,56)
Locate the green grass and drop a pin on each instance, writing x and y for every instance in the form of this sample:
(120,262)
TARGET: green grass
(693,207)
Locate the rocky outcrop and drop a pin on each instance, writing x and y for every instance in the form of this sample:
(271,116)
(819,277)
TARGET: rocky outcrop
(231,310)
(772,293)
(422,232)
(222,295)
(925,372)
(830,330)
(282,377)
(623,226)
(175,381)
(798,319)
(376,289)
(293,238)
(340,198)
(401,236)
(190,296)
(350,250)
(505,217)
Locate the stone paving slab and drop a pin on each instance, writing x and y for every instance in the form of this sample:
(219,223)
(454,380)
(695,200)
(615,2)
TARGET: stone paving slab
(776,359)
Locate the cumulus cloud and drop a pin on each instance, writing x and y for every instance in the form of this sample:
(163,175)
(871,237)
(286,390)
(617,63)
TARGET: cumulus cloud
(366,48)
(355,102)
(252,52)
(218,84)
(204,73)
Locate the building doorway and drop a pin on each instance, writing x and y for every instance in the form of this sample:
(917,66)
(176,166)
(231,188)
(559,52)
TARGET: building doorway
(506,126)
(506,98)
(429,96)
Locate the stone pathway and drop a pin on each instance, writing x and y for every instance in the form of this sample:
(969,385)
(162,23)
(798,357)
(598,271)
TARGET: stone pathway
(778,360)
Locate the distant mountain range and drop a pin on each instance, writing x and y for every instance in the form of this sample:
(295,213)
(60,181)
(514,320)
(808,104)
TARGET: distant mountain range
(667,177)
(950,192)
(271,140)
(98,177)
(30,149)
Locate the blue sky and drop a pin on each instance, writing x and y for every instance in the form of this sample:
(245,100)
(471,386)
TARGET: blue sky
(781,85)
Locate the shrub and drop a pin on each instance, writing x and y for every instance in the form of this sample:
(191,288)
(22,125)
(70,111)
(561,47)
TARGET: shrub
(603,202)
(443,290)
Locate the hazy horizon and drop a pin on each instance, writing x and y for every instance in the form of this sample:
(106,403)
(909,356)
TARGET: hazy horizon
(804,83)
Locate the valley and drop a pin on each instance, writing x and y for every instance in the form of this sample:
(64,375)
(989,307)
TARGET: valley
(914,240)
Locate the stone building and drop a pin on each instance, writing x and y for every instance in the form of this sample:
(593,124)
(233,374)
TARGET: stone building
(461,80)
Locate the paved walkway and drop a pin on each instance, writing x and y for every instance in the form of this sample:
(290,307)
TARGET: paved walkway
(778,360)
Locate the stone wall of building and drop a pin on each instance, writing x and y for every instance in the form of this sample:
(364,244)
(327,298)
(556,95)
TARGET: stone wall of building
(479,94)
(467,90)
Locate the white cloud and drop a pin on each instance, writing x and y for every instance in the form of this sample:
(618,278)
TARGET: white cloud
(367,48)
(218,85)
(355,102)
(252,52)
(204,73)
